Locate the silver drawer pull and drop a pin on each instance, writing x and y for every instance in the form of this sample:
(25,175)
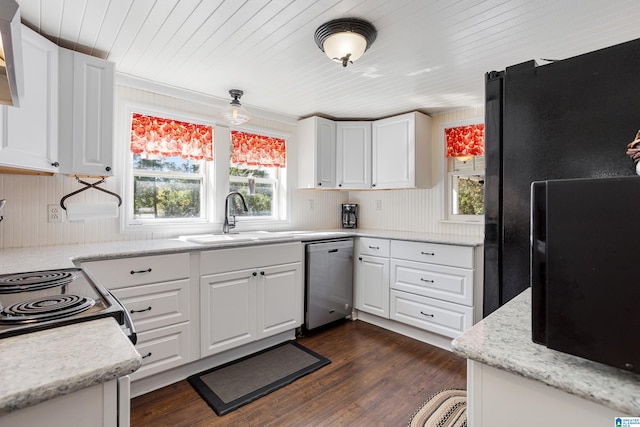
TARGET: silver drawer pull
(428,253)
(374,247)
(427,280)
(148,270)
(146,355)
(140,311)
(425,314)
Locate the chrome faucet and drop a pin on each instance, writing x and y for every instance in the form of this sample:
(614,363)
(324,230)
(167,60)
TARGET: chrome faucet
(231,224)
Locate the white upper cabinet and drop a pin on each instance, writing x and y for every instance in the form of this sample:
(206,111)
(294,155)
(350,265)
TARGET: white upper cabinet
(401,152)
(316,153)
(29,133)
(86,114)
(359,155)
(353,158)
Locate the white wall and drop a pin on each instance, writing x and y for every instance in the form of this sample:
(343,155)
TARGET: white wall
(25,214)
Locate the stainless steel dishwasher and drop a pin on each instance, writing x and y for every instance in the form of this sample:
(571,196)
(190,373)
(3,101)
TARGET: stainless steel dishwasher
(329,282)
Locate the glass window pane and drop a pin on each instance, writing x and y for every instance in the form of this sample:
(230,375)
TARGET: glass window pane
(468,195)
(155,197)
(166,164)
(259,201)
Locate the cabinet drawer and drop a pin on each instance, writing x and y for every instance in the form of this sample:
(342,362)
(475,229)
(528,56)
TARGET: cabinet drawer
(248,257)
(124,272)
(375,247)
(434,253)
(430,314)
(156,305)
(450,284)
(162,349)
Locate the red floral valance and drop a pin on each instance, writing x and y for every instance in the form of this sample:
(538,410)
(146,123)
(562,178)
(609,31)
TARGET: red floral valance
(258,150)
(167,137)
(465,141)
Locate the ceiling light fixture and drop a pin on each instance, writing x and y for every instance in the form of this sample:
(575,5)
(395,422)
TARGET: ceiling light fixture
(235,113)
(345,40)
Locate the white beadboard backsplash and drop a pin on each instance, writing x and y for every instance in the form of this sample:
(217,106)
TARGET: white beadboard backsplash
(25,213)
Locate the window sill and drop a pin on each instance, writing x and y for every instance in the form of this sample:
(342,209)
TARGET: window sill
(462,221)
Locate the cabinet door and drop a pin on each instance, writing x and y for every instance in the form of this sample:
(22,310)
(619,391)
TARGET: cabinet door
(227,311)
(393,152)
(316,153)
(279,299)
(86,114)
(372,285)
(29,134)
(353,157)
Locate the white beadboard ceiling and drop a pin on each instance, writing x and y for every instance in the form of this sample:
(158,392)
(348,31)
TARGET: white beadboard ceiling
(430,55)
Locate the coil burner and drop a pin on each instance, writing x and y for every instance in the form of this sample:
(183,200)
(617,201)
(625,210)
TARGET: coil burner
(45,308)
(24,282)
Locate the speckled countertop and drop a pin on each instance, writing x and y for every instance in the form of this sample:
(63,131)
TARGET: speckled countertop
(53,365)
(42,365)
(16,260)
(503,340)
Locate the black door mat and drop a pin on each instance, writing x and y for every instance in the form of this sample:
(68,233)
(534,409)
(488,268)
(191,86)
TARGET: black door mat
(232,385)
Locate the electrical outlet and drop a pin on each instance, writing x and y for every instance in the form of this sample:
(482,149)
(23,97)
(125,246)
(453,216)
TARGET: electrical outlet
(310,204)
(54,213)
(378,205)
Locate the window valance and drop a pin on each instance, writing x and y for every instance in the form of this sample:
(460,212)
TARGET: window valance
(465,141)
(258,150)
(168,138)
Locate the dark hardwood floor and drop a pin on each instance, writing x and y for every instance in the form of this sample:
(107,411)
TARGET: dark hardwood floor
(376,378)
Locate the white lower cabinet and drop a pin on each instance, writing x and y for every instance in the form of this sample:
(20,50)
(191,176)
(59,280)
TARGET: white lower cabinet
(157,293)
(247,294)
(95,406)
(372,276)
(425,285)
(242,294)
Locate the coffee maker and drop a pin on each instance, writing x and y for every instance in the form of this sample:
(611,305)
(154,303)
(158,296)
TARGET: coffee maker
(349,215)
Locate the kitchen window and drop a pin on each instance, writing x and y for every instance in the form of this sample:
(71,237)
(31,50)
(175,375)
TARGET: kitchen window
(171,159)
(171,183)
(256,169)
(464,186)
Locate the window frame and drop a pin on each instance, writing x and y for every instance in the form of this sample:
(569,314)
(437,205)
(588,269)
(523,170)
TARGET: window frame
(282,209)
(449,173)
(128,222)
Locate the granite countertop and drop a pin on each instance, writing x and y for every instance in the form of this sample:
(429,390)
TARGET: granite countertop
(42,365)
(503,340)
(54,366)
(17,260)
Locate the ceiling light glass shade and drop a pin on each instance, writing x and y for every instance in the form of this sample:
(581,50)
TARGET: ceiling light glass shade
(235,113)
(345,40)
(345,45)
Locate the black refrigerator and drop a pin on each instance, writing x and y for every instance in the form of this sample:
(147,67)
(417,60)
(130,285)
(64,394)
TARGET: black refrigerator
(571,118)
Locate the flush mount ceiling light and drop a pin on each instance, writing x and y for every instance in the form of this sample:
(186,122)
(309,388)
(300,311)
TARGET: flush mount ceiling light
(235,113)
(345,40)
